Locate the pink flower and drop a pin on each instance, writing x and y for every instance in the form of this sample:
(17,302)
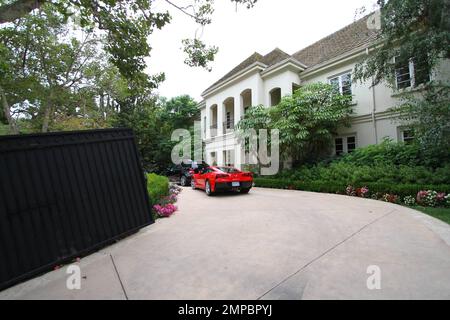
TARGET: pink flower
(440,197)
(165,211)
(421,196)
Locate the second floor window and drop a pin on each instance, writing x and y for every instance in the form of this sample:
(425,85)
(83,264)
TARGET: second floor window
(229,121)
(411,73)
(342,83)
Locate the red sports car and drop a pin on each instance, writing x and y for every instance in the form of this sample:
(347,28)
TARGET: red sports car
(216,179)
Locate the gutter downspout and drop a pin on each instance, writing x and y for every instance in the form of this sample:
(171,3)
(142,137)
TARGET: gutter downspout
(374,107)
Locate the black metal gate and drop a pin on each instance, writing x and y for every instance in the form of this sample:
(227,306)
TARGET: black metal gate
(65,194)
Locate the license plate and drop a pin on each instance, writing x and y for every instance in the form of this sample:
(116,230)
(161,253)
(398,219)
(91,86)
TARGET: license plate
(235,184)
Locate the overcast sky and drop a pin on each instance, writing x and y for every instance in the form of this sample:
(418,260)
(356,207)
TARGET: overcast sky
(287,24)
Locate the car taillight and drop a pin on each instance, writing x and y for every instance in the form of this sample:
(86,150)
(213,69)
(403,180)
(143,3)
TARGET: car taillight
(221,176)
(247,174)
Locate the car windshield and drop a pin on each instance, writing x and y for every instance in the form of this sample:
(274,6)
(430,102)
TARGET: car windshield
(228,169)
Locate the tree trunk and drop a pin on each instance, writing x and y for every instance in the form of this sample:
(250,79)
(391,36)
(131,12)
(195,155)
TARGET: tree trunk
(7,110)
(18,9)
(47,113)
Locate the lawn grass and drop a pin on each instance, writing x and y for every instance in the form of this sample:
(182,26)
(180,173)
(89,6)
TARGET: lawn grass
(439,213)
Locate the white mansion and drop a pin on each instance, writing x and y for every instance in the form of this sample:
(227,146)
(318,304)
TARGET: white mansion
(265,79)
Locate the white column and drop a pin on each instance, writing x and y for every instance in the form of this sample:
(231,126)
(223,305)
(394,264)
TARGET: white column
(208,121)
(219,157)
(238,156)
(238,107)
(220,117)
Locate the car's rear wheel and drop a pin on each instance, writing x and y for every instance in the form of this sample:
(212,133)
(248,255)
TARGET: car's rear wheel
(183,181)
(244,190)
(208,189)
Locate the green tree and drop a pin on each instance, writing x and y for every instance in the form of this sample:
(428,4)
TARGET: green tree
(410,29)
(153,121)
(307,120)
(180,112)
(429,118)
(127,25)
(44,75)
(417,31)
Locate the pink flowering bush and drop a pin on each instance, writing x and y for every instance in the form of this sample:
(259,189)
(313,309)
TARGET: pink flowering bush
(420,198)
(165,211)
(164,200)
(426,198)
(432,198)
(392,198)
(440,198)
(362,192)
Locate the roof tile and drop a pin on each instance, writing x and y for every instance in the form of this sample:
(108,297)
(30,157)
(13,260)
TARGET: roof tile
(348,38)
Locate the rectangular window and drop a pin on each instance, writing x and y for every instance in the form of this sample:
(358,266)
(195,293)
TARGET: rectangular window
(339,146)
(407,136)
(402,74)
(346,85)
(228,120)
(351,144)
(335,83)
(342,83)
(411,73)
(345,144)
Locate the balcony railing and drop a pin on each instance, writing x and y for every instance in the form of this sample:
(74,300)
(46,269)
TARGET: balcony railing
(213,130)
(228,126)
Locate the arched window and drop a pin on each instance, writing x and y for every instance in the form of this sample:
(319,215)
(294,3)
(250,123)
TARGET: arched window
(275,96)
(228,115)
(246,101)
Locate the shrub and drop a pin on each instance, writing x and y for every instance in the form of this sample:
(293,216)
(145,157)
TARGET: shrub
(427,198)
(387,152)
(157,187)
(447,200)
(346,173)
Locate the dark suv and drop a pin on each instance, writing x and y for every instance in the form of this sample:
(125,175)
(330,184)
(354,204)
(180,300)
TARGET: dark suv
(182,173)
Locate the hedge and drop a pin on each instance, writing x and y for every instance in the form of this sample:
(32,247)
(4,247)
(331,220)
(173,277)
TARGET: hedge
(401,190)
(157,187)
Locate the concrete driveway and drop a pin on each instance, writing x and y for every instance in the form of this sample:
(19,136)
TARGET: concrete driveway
(269,244)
